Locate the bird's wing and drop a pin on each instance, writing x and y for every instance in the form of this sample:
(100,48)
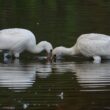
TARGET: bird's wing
(94,46)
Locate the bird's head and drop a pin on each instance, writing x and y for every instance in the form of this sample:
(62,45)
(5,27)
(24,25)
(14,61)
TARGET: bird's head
(57,53)
(47,46)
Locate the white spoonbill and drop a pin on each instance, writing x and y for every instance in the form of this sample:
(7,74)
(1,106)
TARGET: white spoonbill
(92,45)
(16,40)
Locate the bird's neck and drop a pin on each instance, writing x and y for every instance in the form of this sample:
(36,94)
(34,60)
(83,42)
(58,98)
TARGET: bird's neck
(71,51)
(67,51)
(37,48)
(75,50)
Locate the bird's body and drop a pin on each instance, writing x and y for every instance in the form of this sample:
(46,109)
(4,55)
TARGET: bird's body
(16,40)
(90,45)
(94,45)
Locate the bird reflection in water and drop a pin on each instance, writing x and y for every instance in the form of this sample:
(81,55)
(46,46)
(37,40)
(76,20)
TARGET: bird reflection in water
(18,76)
(90,77)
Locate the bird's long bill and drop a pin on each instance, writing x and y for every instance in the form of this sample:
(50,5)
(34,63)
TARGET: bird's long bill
(49,56)
(53,58)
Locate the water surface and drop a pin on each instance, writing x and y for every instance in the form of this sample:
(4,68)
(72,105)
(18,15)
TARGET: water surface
(56,85)
(75,84)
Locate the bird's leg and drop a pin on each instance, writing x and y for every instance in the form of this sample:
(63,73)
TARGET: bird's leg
(97,59)
(16,55)
(49,55)
(6,56)
(7,53)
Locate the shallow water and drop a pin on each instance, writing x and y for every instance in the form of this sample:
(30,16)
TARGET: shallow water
(73,84)
(54,86)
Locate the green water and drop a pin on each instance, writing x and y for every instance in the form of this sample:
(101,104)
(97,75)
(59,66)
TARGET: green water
(54,86)
(54,20)
(73,84)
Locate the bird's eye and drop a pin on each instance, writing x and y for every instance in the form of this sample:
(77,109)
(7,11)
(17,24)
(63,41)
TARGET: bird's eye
(51,51)
(54,56)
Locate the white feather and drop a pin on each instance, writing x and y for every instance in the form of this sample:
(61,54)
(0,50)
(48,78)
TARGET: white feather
(17,40)
(90,45)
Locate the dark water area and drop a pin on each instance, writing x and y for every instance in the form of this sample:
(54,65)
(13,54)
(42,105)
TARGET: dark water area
(71,84)
(54,86)
(58,19)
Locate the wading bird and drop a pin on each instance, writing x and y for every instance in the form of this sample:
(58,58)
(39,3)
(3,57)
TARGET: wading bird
(16,40)
(92,45)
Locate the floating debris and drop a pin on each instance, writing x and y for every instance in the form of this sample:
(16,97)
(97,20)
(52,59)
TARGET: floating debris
(61,95)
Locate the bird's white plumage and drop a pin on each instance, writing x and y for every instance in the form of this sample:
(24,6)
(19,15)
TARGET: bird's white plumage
(17,40)
(90,45)
(94,44)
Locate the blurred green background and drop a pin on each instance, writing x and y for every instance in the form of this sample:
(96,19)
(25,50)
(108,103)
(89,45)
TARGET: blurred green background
(57,21)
